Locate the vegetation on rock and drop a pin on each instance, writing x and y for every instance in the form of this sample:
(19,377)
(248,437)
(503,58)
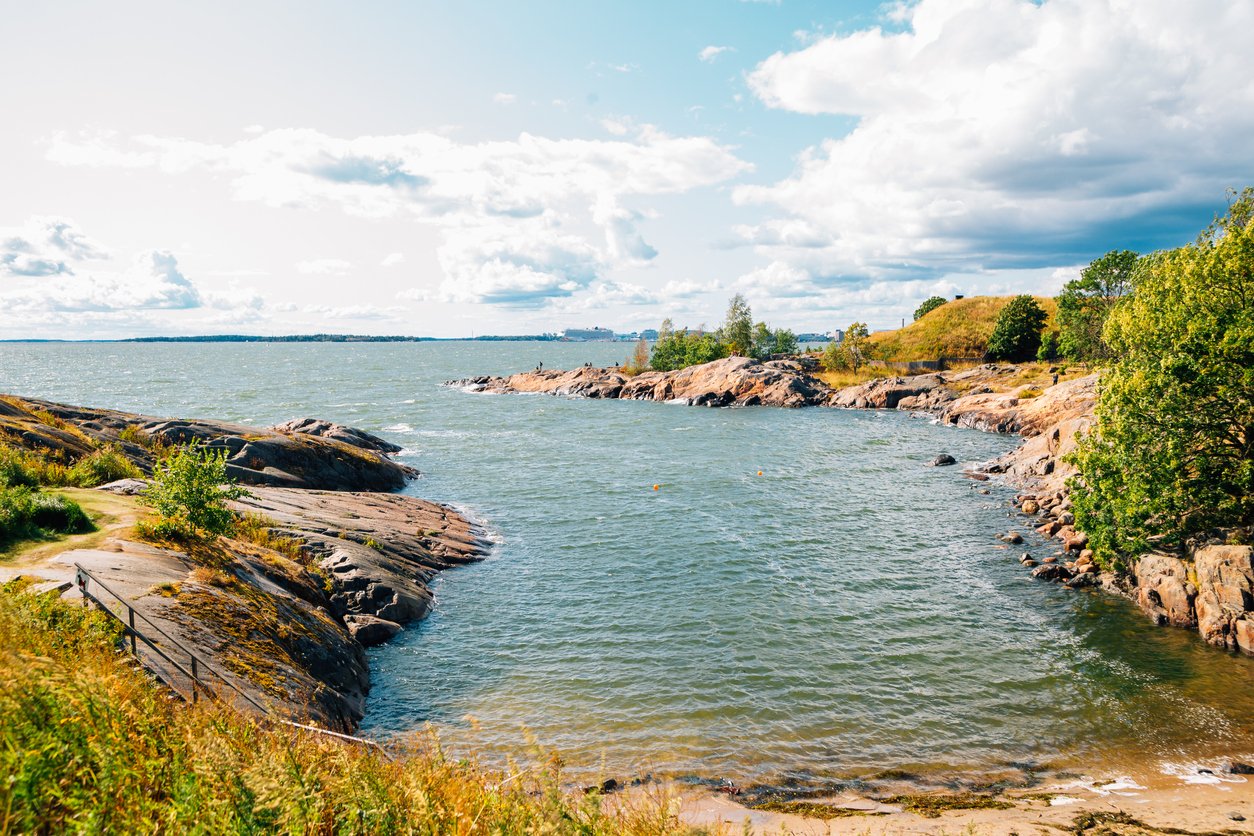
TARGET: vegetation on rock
(1173,455)
(189,492)
(30,514)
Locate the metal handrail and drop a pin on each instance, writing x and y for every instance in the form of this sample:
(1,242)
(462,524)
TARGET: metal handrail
(81,578)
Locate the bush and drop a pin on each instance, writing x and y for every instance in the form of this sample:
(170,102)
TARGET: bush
(1017,332)
(1173,453)
(189,492)
(1048,352)
(639,360)
(1086,302)
(101,467)
(683,348)
(928,306)
(29,514)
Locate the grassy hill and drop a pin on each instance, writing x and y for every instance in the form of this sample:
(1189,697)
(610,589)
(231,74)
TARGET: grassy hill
(960,328)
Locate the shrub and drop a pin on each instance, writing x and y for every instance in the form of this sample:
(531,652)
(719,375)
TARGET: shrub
(1017,332)
(1048,352)
(189,492)
(683,348)
(928,306)
(28,514)
(1086,302)
(639,361)
(1173,453)
(101,466)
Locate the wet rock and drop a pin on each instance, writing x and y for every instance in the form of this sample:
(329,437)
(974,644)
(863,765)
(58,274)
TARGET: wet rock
(1029,507)
(1012,537)
(1051,572)
(1049,529)
(943,460)
(1082,580)
(1050,559)
(1239,768)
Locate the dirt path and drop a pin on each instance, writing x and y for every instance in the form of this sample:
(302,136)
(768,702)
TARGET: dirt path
(112,514)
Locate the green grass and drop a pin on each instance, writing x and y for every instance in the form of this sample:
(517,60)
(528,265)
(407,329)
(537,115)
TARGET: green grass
(959,328)
(32,468)
(90,744)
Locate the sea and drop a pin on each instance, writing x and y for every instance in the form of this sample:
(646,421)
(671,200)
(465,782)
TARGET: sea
(801,598)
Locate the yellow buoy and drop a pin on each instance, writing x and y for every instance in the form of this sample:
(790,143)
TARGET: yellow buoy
(759,473)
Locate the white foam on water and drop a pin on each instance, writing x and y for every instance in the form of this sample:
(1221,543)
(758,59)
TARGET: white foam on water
(1201,773)
(398,428)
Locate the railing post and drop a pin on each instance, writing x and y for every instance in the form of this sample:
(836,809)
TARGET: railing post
(131,617)
(195,679)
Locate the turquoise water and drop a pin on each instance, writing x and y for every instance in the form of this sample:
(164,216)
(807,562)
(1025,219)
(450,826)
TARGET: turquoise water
(848,610)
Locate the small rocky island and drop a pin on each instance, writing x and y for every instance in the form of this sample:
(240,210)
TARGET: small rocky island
(333,561)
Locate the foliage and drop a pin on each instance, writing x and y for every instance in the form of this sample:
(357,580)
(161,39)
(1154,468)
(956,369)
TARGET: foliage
(1086,302)
(101,466)
(30,514)
(928,306)
(958,330)
(682,348)
(737,331)
(1017,332)
(855,345)
(1048,352)
(1173,455)
(189,492)
(834,358)
(90,744)
(767,342)
(639,360)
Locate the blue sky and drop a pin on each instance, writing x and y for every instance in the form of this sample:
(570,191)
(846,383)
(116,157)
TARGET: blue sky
(438,169)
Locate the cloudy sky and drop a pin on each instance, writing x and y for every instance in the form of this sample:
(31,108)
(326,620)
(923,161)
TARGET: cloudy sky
(446,169)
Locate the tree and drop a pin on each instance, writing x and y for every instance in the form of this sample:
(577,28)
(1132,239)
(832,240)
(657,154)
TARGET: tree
(639,360)
(1086,302)
(928,306)
(737,331)
(763,345)
(683,348)
(1173,452)
(1048,352)
(855,346)
(1017,331)
(785,342)
(189,491)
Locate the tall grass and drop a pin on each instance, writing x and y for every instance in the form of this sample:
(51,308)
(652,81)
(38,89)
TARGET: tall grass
(959,328)
(89,744)
(31,468)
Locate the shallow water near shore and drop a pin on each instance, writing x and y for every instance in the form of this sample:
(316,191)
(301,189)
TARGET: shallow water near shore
(847,611)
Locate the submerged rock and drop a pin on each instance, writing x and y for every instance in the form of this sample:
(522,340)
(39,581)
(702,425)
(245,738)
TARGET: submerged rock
(943,460)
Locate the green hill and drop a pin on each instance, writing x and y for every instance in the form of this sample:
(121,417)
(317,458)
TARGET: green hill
(959,329)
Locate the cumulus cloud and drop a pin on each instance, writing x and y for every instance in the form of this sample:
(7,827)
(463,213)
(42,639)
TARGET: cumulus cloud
(523,221)
(505,98)
(709,53)
(1007,133)
(153,281)
(45,246)
(392,259)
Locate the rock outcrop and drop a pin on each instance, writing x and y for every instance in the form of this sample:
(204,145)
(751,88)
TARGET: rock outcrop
(305,453)
(732,381)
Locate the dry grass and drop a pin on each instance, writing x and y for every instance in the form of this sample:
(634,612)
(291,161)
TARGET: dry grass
(841,379)
(90,744)
(959,328)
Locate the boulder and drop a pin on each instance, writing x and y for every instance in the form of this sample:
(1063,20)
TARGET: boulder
(371,631)
(943,460)
(1051,572)
(1012,537)
(1225,584)
(1163,590)
(1029,507)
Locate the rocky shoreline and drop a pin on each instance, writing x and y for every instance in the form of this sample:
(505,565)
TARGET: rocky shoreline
(331,561)
(1211,589)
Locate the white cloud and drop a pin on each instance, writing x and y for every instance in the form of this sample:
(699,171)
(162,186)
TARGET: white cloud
(1008,133)
(153,281)
(359,312)
(392,259)
(709,53)
(505,98)
(45,246)
(324,267)
(522,221)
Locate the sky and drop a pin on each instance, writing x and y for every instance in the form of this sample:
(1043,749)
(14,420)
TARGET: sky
(493,167)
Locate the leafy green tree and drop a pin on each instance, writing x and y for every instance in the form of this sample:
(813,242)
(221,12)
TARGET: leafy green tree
(189,492)
(680,349)
(763,345)
(855,345)
(928,306)
(737,331)
(1086,302)
(834,357)
(1048,352)
(1017,331)
(786,342)
(1173,452)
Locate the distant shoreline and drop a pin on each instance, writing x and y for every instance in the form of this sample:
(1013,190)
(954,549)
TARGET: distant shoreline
(310,338)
